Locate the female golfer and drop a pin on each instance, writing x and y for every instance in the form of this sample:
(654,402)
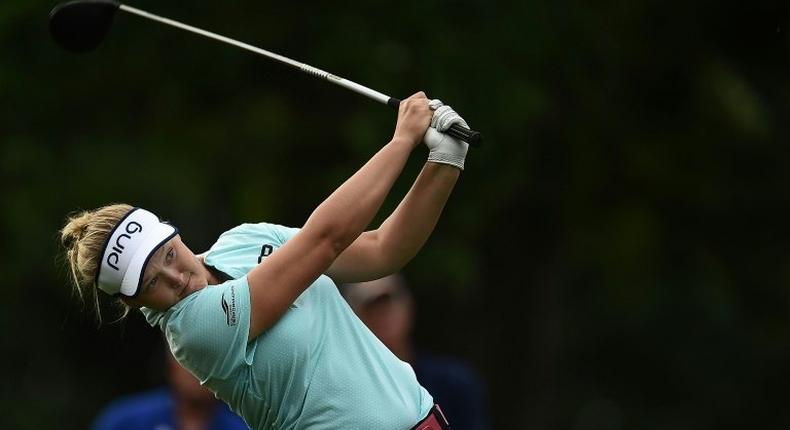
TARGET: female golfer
(272,337)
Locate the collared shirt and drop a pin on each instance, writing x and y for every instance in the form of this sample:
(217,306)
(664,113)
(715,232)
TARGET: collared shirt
(317,368)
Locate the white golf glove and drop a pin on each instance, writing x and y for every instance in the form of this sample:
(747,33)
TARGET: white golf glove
(445,148)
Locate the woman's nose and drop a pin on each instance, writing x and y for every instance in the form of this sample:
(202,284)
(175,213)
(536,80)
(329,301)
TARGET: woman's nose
(175,278)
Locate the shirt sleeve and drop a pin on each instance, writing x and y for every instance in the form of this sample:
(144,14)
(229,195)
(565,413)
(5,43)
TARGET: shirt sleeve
(283,233)
(208,332)
(241,248)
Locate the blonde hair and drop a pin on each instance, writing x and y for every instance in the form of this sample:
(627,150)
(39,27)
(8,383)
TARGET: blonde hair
(83,238)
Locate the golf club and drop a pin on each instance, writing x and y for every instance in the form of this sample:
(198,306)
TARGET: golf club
(81,25)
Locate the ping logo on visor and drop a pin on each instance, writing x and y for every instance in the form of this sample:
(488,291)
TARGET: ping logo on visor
(131,244)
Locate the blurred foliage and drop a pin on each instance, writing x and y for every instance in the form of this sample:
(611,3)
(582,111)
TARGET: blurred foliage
(614,257)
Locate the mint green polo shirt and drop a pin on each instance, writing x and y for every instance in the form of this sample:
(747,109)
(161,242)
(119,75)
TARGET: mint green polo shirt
(317,368)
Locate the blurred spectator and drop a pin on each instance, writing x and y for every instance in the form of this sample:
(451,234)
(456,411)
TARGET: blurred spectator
(386,306)
(183,405)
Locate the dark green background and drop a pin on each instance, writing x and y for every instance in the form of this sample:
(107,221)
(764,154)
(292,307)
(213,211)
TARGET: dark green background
(615,257)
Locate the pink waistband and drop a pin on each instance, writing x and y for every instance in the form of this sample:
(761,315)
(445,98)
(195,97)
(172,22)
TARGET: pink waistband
(434,421)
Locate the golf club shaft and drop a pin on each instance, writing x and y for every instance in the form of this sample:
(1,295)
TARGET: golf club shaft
(457,131)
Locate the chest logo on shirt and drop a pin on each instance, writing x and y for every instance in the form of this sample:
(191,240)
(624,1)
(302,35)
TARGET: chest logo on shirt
(266,250)
(230,307)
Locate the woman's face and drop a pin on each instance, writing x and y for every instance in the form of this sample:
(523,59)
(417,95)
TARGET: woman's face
(172,273)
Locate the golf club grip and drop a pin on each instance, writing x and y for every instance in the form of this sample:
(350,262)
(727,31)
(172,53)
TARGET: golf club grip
(473,138)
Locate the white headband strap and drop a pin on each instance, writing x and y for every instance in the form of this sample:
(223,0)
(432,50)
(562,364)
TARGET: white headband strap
(128,248)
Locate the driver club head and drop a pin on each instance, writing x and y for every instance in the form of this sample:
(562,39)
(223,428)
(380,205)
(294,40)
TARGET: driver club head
(81,25)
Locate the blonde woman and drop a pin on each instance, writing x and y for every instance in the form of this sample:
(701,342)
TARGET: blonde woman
(258,318)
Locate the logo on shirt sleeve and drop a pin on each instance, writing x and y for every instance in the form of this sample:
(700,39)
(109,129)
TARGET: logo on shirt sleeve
(230,307)
(266,250)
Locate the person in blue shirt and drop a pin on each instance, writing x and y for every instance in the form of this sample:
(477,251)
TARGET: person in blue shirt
(258,318)
(181,405)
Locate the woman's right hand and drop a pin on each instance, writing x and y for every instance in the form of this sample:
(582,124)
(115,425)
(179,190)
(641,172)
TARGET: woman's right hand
(414,117)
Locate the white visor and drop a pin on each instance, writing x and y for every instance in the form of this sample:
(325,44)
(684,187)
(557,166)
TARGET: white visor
(131,244)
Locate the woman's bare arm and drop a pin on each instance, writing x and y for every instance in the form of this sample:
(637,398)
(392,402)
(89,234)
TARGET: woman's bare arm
(384,251)
(335,223)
